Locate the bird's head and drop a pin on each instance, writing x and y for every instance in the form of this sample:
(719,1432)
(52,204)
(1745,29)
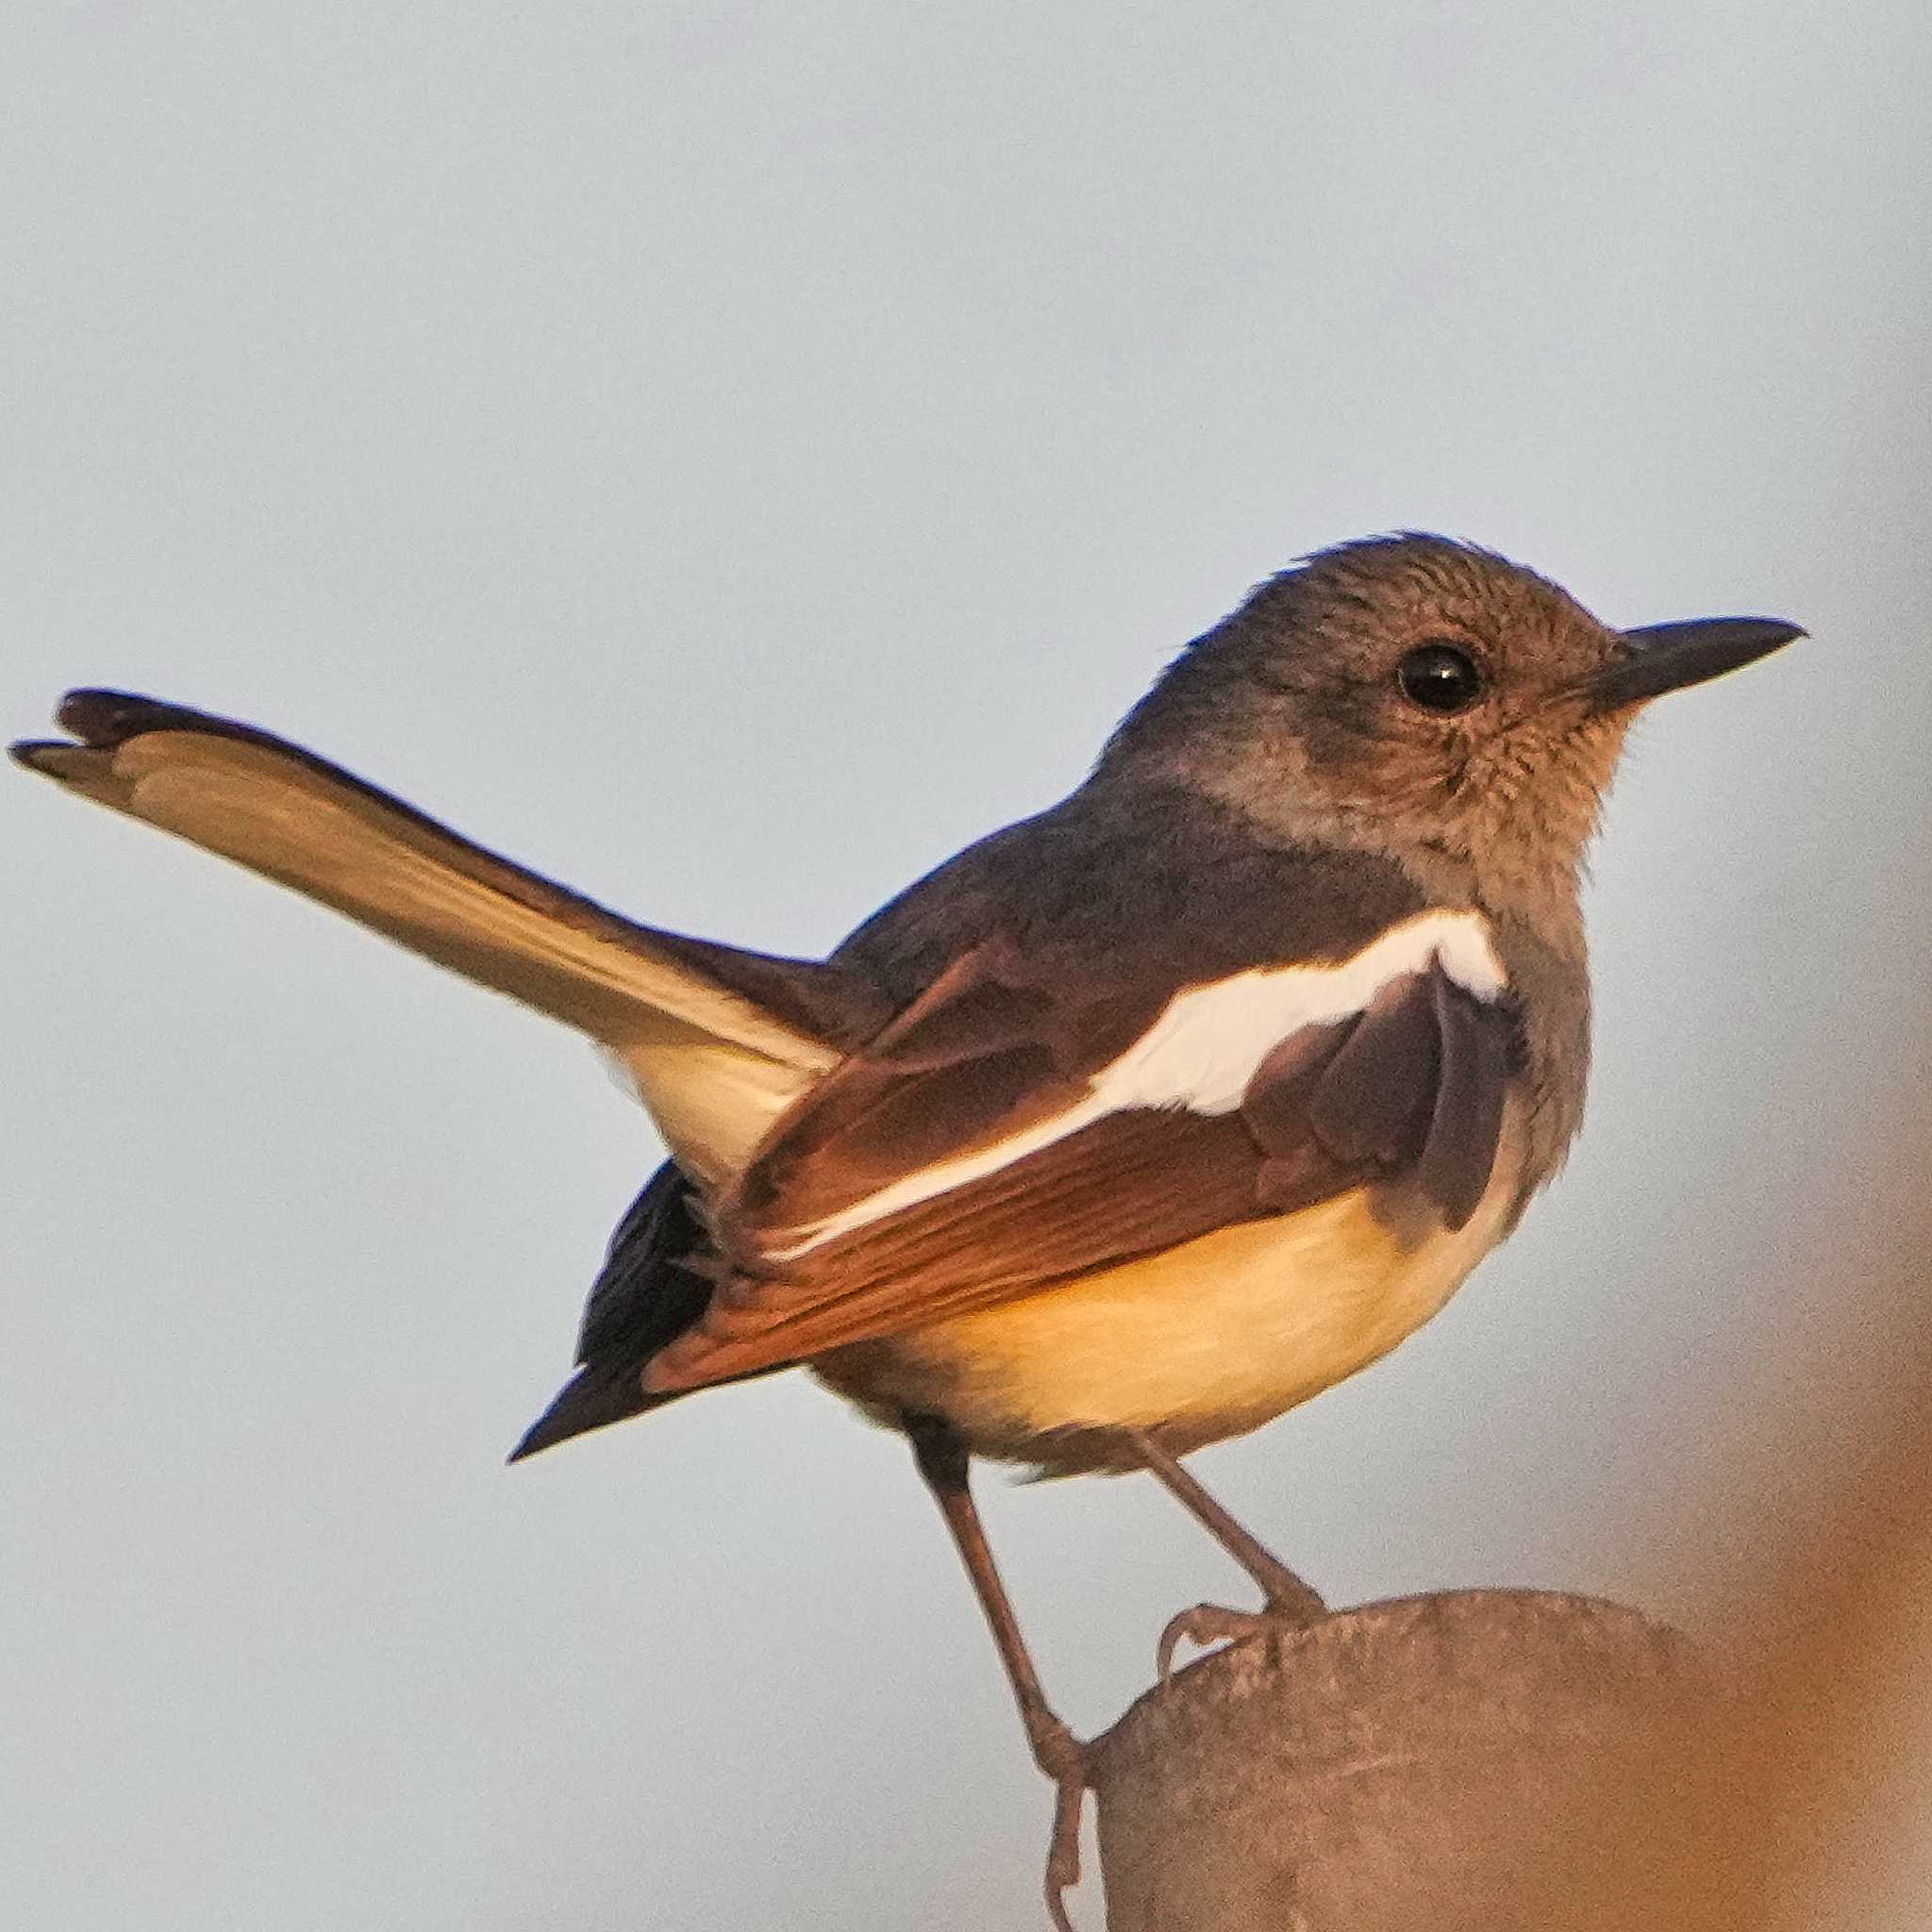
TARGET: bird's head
(1422,699)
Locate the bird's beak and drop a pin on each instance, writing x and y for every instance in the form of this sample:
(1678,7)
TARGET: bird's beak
(1658,657)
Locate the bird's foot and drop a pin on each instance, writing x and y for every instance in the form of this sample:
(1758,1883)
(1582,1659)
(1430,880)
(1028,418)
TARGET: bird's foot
(1210,1624)
(1063,1758)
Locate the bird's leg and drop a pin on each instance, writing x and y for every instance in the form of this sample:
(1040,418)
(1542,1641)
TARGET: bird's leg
(1289,1600)
(943,1462)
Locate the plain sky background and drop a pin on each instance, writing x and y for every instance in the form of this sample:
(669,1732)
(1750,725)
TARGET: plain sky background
(728,457)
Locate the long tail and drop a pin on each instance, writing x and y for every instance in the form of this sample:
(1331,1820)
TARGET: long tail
(719,1041)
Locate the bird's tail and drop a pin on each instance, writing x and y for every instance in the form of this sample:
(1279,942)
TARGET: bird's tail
(718,1041)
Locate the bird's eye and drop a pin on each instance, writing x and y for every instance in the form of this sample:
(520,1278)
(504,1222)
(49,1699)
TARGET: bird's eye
(1440,679)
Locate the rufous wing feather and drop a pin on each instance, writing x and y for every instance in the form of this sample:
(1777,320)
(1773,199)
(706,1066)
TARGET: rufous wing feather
(1408,1094)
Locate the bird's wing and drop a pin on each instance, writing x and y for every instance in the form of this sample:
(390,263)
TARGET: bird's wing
(1016,1127)
(719,1041)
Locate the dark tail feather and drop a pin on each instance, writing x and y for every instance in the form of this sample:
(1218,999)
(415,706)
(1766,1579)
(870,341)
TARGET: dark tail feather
(649,1293)
(589,1400)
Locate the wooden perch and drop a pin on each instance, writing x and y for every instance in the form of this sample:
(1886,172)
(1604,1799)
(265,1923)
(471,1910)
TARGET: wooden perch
(1407,1764)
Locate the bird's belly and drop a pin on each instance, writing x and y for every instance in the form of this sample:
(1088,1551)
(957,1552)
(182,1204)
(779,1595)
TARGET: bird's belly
(1201,1341)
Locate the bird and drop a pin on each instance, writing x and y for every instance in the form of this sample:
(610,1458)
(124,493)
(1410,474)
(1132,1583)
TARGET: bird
(1127,1129)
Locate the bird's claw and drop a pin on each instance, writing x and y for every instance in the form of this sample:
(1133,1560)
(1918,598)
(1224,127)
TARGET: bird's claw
(1210,1624)
(1063,1758)
(1063,1853)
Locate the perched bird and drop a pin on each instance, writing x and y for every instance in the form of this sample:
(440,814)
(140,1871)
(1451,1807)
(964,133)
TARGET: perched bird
(1131,1127)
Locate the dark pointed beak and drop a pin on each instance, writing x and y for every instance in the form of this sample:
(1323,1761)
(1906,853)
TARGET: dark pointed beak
(1667,656)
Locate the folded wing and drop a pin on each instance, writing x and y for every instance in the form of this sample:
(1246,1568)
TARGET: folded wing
(1014,1129)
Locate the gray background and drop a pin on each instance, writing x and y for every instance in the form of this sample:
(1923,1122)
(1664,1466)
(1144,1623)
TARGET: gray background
(728,457)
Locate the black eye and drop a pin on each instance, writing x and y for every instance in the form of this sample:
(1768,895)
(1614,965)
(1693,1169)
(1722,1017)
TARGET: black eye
(1441,677)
